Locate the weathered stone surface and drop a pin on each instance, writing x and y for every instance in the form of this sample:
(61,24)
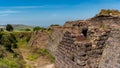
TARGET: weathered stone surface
(93,43)
(77,50)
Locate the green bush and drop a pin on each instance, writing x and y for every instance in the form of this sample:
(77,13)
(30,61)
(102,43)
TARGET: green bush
(108,12)
(15,45)
(8,41)
(28,38)
(27,29)
(45,52)
(36,28)
(13,38)
(1,30)
(9,27)
(55,25)
(6,63)
(15,55)
(32,56)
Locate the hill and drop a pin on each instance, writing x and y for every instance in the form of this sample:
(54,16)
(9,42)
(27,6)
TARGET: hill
(18,26)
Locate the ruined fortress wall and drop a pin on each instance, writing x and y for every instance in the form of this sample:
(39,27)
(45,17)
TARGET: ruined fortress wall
(93,43)
(77,51)
(111,54)
(73,53)
(55,37)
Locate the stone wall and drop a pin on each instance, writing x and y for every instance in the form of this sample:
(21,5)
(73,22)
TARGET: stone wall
(111,54)
(77,50)
(39,39)
(92,43)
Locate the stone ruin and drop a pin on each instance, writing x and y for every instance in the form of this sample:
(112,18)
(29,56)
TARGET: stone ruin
(93,43)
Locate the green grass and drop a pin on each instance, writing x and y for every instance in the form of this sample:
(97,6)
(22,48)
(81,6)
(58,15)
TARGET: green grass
(38,52)
(21,43)
(32,57)
(28,66)
(8,63)
(44,52)
(13,60)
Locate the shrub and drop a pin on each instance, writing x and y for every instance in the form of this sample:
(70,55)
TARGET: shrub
(15,45)
(1,30)
(28,38)
(54,25)
(32,57)
(108,12)
(5,40)
(36,28)
(27,29)
(9,27)
(45,52)
(6,63)
(15,55)
(9,41)
(0,37)
(13,38)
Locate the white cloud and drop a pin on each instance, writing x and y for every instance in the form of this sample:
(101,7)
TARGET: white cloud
(23,7)
(8,12)
(4,15)
(42,6)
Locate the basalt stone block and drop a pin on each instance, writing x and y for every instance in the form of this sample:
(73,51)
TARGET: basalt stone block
(82,53)
(101,42)
(81,63)
(88,45)
(83,58)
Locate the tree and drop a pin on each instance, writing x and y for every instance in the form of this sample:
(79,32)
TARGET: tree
(36,28)
(55,25)
(27,29)
(9,41)
(1,30)
(9,27)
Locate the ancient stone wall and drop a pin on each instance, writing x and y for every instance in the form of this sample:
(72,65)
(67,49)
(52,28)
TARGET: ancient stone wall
(93,43)
(84,45)
(75,51)
(39,39)
(111,54)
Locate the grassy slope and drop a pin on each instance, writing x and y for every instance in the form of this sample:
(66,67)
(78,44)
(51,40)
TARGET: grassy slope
(28,56)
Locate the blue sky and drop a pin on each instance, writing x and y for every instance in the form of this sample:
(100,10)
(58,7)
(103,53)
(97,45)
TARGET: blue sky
(46,12)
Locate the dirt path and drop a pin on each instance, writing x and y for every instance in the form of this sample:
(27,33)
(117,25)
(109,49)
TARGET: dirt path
(40,62)
(48,66)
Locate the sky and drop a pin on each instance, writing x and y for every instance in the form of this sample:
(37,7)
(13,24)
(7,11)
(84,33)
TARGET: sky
(47,12)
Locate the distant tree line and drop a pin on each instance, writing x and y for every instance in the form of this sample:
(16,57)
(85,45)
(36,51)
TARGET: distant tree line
(38,28)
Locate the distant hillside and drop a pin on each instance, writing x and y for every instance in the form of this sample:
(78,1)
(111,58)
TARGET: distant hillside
(21,27)
(18,26)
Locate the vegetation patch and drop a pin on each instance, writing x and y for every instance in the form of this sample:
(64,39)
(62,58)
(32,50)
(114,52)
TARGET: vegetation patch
(44,52)
(6,63)
(38,52)
(32,56)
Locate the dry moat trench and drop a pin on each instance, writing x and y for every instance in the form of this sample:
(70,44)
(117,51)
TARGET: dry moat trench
(40,62)
(33,58)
